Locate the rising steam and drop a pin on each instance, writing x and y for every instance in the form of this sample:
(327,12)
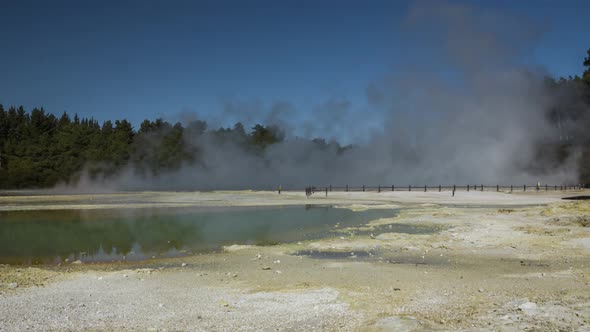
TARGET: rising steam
(470,110)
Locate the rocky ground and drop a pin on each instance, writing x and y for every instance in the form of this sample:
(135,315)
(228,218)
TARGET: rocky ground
(491,262)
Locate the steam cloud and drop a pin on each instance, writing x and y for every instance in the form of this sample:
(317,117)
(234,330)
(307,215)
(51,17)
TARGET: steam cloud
(467,112)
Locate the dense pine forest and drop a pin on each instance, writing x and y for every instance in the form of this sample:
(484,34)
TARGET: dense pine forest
(39,149)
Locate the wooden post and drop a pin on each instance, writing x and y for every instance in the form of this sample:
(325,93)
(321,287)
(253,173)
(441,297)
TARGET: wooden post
(467,187)
(497,187)
(363,188)
(555,187)
(524,187)
(510,188)
(546,187)
(346,188)
(280,189)
(439,188)
(424,188)
(392,188)
(409,188)
(326,191)
(482,187)
(379,188)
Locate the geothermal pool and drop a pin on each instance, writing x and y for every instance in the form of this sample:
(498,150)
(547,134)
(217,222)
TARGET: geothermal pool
(51,237)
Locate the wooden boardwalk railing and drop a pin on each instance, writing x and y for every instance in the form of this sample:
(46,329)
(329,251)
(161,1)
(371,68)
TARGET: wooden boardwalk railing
(425,188)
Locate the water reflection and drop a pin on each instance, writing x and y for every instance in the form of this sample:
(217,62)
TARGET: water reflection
(49,237)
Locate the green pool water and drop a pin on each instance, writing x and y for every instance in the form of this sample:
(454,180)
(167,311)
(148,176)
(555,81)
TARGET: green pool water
(50,237)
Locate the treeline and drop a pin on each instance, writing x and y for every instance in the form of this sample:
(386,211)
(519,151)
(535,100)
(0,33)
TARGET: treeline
(39,149)
(571,116)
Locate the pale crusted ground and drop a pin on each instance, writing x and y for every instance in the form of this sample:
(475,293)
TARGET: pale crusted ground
(488,268)
(265,198)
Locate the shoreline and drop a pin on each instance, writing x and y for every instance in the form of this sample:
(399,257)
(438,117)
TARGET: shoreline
(269,198)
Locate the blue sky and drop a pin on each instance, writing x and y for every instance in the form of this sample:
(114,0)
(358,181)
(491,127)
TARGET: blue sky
(148,59)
